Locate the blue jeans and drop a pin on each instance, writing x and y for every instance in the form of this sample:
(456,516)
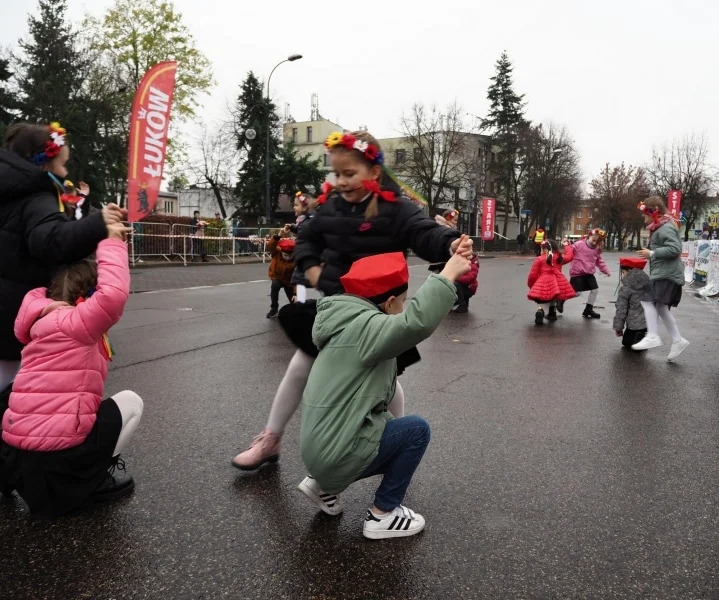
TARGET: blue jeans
(400,451)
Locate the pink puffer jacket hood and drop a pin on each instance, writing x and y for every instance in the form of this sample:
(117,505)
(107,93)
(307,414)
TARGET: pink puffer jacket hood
(56,394)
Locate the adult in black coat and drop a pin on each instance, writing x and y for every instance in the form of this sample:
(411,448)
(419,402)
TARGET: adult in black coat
(35,236)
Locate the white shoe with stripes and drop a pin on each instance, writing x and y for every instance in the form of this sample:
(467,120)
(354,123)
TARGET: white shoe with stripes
(328,503)
(401,522)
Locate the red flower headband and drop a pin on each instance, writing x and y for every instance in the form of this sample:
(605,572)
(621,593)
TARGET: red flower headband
(301,198)
(369,151)
(52,146)
(644,209)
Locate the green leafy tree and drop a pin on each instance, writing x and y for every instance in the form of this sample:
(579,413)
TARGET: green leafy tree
(506,122)
(254,112)
(138,34)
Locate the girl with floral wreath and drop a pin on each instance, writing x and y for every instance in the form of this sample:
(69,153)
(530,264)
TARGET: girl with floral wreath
(362,216)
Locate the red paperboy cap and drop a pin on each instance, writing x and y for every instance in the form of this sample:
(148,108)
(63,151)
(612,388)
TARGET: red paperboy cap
(287,245)
(632,263)
(377,277)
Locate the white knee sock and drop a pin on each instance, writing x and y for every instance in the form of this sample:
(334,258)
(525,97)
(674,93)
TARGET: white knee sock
(593,297)
(544,307)
(668,319)
(652,317)
(131,406)
(289,394)
(8,370)
(396,406)
(301,294)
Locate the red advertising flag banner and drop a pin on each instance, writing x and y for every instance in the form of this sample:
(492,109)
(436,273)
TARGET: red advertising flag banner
(149,124)
(489,208)
(674,204)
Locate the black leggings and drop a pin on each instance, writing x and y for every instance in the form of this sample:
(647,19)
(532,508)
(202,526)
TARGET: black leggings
(277,285)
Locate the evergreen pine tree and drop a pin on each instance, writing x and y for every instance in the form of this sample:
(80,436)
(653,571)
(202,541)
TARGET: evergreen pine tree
(505,121)
(254,111)
(50,72)
(7,100)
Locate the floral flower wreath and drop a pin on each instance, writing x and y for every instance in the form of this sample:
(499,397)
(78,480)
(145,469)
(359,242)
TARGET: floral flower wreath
(600,232)
(301,198)
(644,209)
(371,152)
(452,214)
(52,146)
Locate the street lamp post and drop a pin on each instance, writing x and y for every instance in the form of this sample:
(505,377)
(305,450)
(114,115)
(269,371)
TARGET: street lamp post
(290,58)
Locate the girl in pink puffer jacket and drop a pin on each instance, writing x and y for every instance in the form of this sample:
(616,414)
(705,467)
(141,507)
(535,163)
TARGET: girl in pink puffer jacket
(61,440)
(587,257)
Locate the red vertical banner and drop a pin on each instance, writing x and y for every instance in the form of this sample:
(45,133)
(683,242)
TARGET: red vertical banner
(149,124)
(489,209)
(674,204)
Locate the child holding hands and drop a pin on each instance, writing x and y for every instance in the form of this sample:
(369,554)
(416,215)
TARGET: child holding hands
(347,433)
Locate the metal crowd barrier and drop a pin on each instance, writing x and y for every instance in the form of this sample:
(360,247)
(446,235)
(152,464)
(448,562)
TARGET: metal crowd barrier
(160,241)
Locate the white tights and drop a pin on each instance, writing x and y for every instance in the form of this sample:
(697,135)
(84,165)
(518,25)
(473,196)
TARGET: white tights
(653,312)
(289,395)
(592,299)
(131,406)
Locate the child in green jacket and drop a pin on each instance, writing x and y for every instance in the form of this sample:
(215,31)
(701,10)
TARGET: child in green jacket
(347,433)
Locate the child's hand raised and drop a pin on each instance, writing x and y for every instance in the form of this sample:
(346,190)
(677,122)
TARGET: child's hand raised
(462,245)
(456,266)
(118,231)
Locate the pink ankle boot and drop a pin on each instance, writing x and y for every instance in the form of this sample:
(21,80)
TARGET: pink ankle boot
(264,448)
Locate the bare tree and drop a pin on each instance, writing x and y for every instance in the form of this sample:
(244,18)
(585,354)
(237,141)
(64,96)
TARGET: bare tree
(615,195)
(548,179)
(440,159)
(217,163)
(683,165)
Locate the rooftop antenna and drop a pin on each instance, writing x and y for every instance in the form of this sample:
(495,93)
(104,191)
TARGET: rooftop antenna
(288,115)
(315,114)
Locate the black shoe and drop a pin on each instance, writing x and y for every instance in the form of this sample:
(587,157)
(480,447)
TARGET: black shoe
(560,306)
(539,317)
(461,309)
(205,260)
(117,483)
(589,312)
(552,316)
(272,314)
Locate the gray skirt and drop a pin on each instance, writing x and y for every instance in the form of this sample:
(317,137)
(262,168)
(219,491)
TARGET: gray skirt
(663,291)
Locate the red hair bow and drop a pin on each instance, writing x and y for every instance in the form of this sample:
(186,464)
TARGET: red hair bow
(326,188)
(372,185)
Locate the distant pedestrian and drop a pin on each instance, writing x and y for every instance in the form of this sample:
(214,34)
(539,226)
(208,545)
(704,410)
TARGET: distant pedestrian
(348,431)
(587,258)
(61,440)
(304,207)
(547,284)
(198,237)
(539,237)
(521,243)
(281,268)
(629,321)
(666,274)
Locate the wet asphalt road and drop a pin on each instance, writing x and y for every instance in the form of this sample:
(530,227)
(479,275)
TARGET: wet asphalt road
(560,466)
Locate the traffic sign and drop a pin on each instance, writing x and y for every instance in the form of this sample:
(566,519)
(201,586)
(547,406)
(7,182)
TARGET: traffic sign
(526,213)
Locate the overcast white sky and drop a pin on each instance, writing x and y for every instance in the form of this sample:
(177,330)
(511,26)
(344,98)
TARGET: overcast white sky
(622,75)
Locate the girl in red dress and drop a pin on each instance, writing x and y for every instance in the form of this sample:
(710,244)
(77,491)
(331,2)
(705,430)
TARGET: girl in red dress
(547,284)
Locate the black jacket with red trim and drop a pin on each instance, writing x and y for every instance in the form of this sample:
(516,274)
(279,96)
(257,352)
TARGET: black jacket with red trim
(338,235)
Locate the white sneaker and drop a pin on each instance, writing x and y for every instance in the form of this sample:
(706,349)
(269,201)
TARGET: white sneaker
(648,342)
(401,522)
(677,349)
(327,503)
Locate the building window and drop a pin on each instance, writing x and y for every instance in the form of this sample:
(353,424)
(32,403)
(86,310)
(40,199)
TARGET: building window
(579,227)
(169,207)
(328,160)
(400,155)
(294,135)
(579,214)
(309,135)
(417,154)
